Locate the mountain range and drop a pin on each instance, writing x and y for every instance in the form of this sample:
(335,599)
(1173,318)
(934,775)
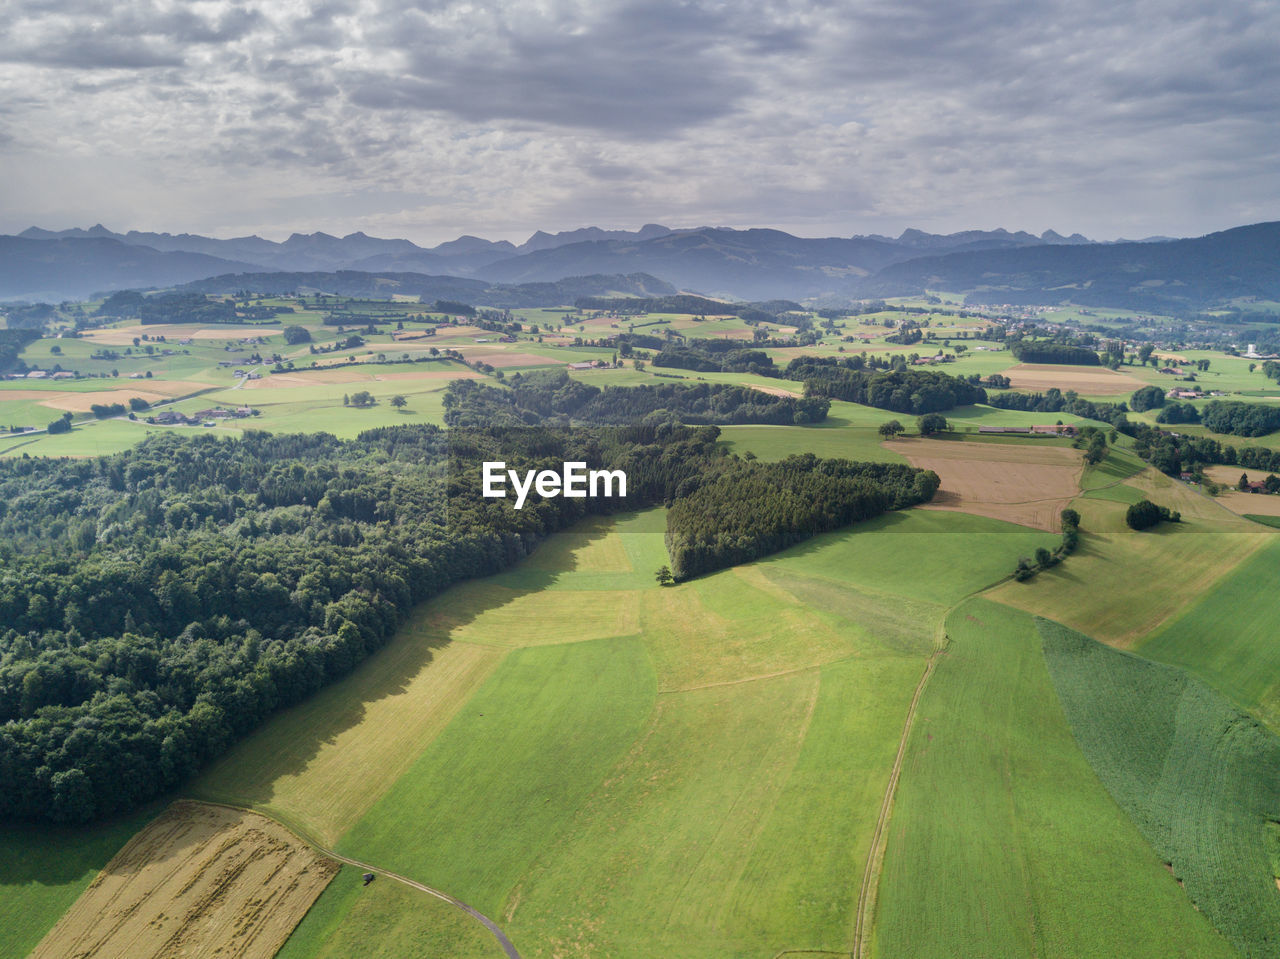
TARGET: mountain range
(754,264)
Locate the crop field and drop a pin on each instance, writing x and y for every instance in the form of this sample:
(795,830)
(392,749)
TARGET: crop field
(1020,483)
(1228,637)
(1087,380)
(1002,842)
(199,880)
(1198,777)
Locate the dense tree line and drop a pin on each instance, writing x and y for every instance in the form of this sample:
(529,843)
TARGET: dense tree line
(555,397)
(738,360)
(1173,413)
(1055,400)
(902,390)
(1175,454)
(12,343)
(1146,398)
(750,509)
(1240,419)
(1043,351)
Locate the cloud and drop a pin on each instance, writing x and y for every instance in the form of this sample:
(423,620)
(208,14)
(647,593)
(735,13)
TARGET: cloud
(503,116)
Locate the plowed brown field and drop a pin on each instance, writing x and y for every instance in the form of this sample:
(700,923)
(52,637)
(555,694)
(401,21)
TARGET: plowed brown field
(199,881)
(1028,484)
(1089,380)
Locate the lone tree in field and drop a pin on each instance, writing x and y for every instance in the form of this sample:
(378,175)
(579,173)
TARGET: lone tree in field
(891,429)
(931,423)
(398,401)
(663,575)
(1144,514)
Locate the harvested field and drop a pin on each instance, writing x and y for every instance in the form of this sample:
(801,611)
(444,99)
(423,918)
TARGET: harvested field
(83,402)
(503,360)
(1092,381)
(776,391)
(442,376)
(1028,484)
(198,881)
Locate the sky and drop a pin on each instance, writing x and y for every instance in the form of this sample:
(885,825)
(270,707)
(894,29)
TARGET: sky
(433,119)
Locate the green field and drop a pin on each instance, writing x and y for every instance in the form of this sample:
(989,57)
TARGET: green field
(777,442)
(630,735)
(386,920)
(1120,584)
(1199,778)
(1228,637)
(1002,841)
(43,869)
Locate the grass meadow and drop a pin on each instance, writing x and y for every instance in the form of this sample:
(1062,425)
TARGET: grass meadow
(1002,842)
(385,920)
(1228,636)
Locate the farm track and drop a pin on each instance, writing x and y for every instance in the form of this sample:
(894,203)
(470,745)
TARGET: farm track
(507,946)
(875,856)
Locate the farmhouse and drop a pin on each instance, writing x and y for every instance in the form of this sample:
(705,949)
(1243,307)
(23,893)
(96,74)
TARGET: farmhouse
(1054,430)
(581,366)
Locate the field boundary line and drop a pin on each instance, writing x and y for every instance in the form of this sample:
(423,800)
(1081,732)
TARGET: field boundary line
(879,839)
(507,946)
(754,679)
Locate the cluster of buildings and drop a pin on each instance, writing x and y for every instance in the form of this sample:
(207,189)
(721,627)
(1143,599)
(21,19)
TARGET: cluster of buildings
(206,417)
(1060,429)
(41,375)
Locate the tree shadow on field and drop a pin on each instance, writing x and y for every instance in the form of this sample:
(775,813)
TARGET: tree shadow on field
(57,855)
(287,743)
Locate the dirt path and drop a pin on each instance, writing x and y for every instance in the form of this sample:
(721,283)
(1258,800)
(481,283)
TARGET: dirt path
(480,917)
(875,856)
(507,946)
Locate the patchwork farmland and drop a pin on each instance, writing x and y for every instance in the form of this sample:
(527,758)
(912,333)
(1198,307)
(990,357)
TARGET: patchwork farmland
(875,743)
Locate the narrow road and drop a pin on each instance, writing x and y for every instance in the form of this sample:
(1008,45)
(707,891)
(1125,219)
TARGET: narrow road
(507,946)
(484,920)
(875,856)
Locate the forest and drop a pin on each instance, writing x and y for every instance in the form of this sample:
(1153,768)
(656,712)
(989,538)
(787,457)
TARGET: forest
(553,397)
(750,509)
(1045,351)
(900,389)
(1240,419)
(12,343)
(737,359)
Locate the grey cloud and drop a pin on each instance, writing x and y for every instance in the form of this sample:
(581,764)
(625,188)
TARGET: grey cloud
(759,111)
